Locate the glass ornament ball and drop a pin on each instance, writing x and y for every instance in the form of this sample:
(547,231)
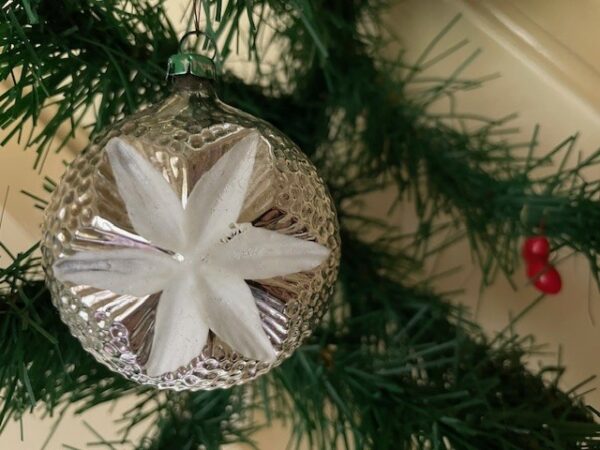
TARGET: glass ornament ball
(192,246)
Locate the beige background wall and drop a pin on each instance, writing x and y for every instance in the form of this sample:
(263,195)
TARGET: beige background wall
(546,54)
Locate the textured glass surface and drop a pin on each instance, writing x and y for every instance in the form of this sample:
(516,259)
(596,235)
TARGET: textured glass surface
(183,137)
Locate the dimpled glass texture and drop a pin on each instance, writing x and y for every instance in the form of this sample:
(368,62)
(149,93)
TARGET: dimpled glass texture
(183,137)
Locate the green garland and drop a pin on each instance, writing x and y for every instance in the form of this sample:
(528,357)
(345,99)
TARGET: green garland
(395,366)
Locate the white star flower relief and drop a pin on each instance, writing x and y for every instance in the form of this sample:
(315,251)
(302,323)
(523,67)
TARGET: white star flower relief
(199,259)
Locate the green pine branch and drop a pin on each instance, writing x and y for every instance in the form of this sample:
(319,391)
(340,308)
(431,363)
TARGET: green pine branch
(398,367)
(43,363)
(78,58)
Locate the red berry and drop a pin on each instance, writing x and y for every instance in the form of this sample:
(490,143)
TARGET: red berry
(535,268)
(536,248)
(545,277)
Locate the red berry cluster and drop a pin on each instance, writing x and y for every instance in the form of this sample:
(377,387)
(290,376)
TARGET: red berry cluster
(545,277)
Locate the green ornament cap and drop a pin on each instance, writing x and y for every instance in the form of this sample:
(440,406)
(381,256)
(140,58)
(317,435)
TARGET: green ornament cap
(191,64)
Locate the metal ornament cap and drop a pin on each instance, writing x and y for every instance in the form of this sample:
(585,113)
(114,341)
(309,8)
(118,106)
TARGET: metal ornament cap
(191,64)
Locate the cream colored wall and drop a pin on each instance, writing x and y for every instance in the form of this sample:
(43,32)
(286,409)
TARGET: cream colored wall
(559,100)
(544,50)
(529,85)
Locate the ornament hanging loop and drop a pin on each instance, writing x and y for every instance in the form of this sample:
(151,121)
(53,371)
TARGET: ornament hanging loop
(198,33)
(186,63)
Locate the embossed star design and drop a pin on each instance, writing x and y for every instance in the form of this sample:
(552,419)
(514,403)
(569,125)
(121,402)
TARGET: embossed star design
(199,257)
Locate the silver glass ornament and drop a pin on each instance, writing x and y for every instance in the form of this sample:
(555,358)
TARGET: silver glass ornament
(132,224)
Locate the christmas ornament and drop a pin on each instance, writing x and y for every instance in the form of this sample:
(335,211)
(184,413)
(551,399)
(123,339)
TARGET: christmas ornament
(545,277)
(193,246)
(536,248)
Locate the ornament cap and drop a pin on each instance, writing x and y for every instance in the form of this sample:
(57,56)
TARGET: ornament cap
(191,64)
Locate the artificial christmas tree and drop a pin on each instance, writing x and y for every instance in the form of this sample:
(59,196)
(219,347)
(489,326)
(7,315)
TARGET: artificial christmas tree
(393,365)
